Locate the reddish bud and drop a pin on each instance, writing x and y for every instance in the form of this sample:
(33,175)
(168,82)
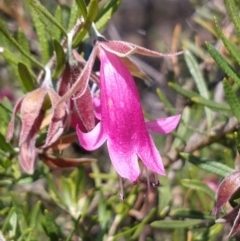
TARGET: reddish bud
(228,190)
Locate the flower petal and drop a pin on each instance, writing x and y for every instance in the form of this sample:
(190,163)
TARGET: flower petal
(27,155)
(163,125)
(11,123)
(125,163)
(119,48)
(150,156)
(123,120)
(93,139)
(97,108)
(227,189)
(123,49)
(236,225)
(82,81)
(229,216)
(85,110)
(30,109)
(59,118)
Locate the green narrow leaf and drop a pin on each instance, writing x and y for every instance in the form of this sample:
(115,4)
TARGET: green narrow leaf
(74,15)
(27,82)
(50,227)
(165,102)
(92,10)
(196,98)
(106,13)
(205,24)
(196,74)
(207,165)
(34,219)
(24,234)
(173,224)
(35,214)
(232,48)
(23,41)
(143,223)
(41,9)
(10,38)
(210,233)
(42,36)
(190,213)
(199,81)
(223,64)
(7,219)
(232,99)
(58,17)
(20,215)
(60,59)
(198,186)
(164,202)
(233,13)
(83,8)
(211,104)
(182,131)
(191,46)
(12,60)
(6,147)
(69,238)
(179,89)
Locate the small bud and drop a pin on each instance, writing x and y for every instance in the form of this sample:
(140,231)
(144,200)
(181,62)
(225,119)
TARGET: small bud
(228,191)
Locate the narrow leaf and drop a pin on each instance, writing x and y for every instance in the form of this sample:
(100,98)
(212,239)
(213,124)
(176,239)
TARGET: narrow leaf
(50,227)
(165,102)
(7,219)
(232,99)
(74,14)
(40,8)
(207,164)
(211,104)
(20,214)
(231,47)
(106,13)
(10,38)
(60,57)
(92,10)
(42,35)
(34,219)
(6,147)
(173,224)
(223,64)
(23,41)
(198,186)
(210,233)
(196,98)
(27,82)
(199,81)
(83,8)
(58,17)
(190,213)
(233,13)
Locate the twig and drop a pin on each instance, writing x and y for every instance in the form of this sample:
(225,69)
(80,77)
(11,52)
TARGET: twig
(198,141)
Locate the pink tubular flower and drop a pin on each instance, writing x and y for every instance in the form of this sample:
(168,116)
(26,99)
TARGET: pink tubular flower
(122,122)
